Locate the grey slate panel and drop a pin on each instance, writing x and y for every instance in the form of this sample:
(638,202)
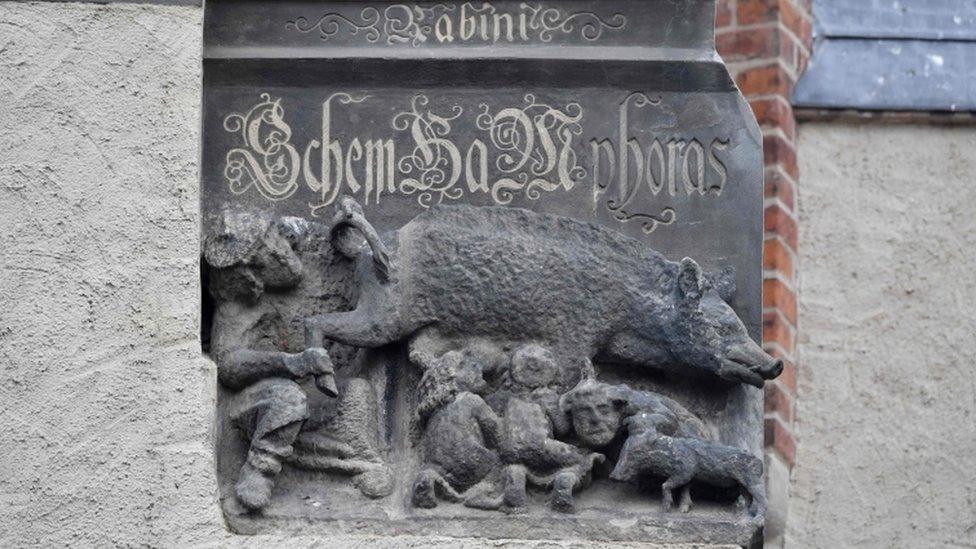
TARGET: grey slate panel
(901,19)
(898,55)
(890,75)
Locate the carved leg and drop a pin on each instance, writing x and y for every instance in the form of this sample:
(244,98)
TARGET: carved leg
(560,454)
(430,486)
(357,328)
(270,413)
(685,505)
(425,489)
(757,493)
(677,480)
(484,496)
(514,493)
(561,499)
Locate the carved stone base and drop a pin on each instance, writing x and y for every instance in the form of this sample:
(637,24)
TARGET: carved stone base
(330,508)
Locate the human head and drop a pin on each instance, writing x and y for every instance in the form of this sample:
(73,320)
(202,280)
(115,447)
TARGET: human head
(597,411)
(248,253)
(453,373)
(533,367)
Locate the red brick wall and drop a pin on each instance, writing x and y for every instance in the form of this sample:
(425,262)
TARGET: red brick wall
(766,44)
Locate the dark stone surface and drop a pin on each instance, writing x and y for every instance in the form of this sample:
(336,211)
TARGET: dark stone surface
(437,304)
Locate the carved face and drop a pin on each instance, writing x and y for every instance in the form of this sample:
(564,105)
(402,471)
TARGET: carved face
(450,375)
(597,411)
(249,253)
(275,262)
(706,334)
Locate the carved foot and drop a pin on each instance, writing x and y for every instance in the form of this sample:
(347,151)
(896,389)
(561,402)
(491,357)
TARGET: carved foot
(254,488)
(484,501)
(425,490)
(377,482)
(514,496)
(562,500)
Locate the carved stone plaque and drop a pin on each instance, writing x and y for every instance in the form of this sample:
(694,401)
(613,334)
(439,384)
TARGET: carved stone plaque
(435,234)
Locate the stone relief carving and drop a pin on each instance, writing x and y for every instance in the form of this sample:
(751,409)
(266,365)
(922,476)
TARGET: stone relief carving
(509,319)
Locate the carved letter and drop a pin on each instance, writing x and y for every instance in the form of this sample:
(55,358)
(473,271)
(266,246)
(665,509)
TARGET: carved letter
(380,161)
(355,153)
(509,23)
(656,153)
(674,151)
(468,22)
(604,147)
(444,29)
(699,183)
(479,181)
(717,165)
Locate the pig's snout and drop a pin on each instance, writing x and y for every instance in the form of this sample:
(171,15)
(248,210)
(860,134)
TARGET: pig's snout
(758,366)
(773,369)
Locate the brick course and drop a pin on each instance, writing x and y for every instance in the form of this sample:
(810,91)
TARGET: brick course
(766,44)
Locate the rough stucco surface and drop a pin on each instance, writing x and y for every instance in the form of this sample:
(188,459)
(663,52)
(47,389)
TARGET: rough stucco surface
(105,401)
(887,396)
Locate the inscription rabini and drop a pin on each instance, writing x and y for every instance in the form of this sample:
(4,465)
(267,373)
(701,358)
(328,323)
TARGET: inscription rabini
(528,149)
(446,23)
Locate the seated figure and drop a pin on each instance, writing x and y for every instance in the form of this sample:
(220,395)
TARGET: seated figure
(531,421)
(260,282)
(461,433)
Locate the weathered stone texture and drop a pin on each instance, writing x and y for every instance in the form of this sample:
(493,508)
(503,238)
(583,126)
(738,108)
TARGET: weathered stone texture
(887,403)
(106,399)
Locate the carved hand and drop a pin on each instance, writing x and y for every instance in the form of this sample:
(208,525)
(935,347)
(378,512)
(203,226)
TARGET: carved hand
(310,362)
(314,362)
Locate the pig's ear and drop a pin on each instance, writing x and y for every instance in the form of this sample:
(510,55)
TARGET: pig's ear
(691,282)
(724,283)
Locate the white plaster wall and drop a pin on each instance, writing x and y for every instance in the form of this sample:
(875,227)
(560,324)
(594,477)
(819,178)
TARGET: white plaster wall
(887,397)
(105,400)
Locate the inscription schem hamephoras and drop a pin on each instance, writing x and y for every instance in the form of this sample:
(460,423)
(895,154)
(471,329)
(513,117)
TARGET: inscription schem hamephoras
(532,147)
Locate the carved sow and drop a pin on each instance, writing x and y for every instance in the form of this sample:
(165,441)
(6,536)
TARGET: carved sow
(514,275)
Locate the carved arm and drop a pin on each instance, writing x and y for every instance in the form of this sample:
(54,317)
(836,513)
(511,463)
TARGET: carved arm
(239,368)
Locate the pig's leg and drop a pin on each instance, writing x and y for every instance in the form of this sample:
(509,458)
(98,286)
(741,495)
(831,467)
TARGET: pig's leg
(359,328)
(758,496)
(679,479)
(685,505)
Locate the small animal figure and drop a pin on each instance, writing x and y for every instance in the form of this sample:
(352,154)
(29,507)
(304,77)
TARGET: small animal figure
(648,452)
